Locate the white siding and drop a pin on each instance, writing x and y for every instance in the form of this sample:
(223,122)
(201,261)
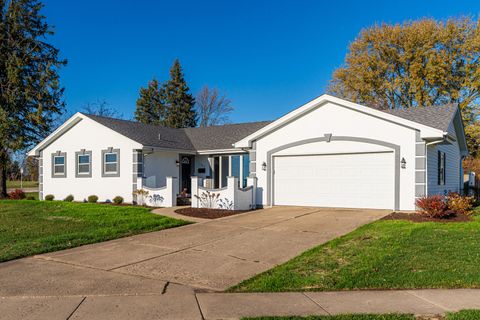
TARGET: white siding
(452,166)
(341,121)
(158,166)
(91,136)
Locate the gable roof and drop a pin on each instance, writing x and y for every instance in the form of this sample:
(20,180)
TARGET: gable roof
(432,122)
(204,138)
(438,117)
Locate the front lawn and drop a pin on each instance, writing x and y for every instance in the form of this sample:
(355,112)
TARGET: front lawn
(386,254)
(32,227)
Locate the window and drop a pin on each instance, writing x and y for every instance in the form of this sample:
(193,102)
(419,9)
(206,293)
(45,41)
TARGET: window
(59,165)
(246,169)
(441,168)
(111,162)
(83,161)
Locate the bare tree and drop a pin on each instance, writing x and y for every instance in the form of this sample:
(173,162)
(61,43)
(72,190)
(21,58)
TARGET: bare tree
(212,107)
(101,108)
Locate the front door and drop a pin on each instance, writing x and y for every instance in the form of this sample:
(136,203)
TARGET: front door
(186,167)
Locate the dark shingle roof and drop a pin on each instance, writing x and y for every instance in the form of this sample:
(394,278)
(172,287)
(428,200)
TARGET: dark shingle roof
(438,117)
(147,134)
(222,137)
(208,138)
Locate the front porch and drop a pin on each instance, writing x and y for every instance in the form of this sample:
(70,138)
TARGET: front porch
(162,177)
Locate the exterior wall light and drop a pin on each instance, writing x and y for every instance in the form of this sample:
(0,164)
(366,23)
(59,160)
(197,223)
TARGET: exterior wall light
(264,166)
(403,163)
(177,163)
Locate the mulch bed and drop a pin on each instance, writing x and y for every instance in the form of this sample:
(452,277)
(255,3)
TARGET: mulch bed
(417,217)
(207,213)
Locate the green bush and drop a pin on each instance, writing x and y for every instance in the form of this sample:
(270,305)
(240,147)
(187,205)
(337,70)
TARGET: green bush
(69,198)
(49,197)
(30,198)
(92,199)
(118,200)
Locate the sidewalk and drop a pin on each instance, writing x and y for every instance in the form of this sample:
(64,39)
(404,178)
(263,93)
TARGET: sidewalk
(419,302)
(172,301)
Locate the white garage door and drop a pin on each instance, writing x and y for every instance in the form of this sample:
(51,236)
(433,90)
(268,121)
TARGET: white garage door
(350,180)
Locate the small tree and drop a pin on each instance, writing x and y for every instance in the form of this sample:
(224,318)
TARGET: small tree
(101,108)
(179,102)
(151,108)
(212,108)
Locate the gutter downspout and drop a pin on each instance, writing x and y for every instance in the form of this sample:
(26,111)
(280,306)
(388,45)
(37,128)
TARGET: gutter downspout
(426,158)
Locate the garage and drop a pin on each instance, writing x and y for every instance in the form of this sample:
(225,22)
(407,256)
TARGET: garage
(358,180)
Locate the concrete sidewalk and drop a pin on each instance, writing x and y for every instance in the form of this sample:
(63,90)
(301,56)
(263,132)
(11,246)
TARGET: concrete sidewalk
(418,302)
(180,302)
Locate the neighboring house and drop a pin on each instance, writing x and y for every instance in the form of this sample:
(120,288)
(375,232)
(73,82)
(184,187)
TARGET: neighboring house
(329,152)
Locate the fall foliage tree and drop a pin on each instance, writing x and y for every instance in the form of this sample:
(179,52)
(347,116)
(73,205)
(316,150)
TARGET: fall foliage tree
(415,64)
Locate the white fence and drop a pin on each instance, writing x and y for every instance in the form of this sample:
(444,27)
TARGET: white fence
(229,198)
(158,197)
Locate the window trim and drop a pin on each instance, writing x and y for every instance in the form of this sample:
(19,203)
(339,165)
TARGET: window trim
(59,154)
(442,161)
(77,164)
(104,153)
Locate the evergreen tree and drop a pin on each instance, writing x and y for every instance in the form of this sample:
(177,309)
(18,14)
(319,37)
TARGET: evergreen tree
(30,92)
(150,106)
(180,103)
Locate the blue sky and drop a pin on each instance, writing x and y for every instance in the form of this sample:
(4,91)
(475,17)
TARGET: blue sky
(267,56)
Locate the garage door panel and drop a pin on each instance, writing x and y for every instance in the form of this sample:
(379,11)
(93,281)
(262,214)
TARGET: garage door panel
(348,180)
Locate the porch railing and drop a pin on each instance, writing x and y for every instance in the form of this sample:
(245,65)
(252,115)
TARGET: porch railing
(231,197)
(157,197)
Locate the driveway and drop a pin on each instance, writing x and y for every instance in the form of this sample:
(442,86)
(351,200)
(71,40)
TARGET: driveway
(161,269)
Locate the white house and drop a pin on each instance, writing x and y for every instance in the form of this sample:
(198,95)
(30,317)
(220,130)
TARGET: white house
(329,152)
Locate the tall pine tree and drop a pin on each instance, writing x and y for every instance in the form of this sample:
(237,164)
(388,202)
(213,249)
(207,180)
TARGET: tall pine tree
(151,108)
(30,91)
(180,103)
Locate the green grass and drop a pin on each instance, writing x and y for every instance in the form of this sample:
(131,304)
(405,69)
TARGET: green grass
(464,315)
(385,254)
(343,317)
(32,227)
(26,184)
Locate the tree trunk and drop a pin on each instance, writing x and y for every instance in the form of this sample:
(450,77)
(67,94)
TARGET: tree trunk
(3,173)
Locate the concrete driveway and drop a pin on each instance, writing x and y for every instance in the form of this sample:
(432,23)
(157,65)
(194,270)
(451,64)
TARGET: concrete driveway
(161,269)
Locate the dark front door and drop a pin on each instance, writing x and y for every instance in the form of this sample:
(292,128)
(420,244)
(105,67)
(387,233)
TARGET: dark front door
(186,165)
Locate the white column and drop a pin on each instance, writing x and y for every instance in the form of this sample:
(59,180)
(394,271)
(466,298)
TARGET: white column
(171,192)
(252,181)
(241,171)
(232,183)
(194,188)
(220,171)
(229,166)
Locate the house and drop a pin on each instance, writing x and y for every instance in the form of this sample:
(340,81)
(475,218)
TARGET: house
(329,152)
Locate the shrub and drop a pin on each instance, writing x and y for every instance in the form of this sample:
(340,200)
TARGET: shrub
(433,206)
(118,200)
(92,199)
(69,198)
(49,197)
(16,194)
(30,198)
(459,204)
